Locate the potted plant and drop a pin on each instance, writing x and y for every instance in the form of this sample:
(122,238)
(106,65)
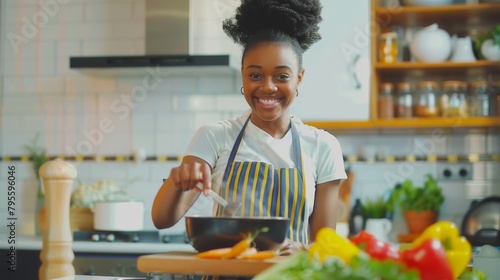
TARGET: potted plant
(374,210)
(489,44)
(420,205)
(38,156)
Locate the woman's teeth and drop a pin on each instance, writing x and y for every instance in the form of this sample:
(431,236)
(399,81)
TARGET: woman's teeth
(268,101)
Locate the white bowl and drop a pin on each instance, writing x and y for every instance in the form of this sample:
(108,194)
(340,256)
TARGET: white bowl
(427,2)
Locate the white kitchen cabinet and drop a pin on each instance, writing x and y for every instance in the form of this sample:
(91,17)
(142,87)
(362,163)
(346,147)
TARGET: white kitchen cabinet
(336,84)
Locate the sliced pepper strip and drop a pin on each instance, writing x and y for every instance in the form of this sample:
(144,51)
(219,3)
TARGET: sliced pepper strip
(458,249)
(329,244)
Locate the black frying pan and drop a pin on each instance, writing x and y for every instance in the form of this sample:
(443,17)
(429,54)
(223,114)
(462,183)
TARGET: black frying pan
(207,232)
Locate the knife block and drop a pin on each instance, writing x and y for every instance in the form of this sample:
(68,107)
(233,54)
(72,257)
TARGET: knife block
(57,253)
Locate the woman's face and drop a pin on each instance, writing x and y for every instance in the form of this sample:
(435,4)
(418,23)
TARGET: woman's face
(271,76)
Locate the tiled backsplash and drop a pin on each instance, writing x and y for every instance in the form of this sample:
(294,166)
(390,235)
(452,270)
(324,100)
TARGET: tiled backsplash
(40,94)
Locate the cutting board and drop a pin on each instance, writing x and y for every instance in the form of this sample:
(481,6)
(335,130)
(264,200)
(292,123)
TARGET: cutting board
(187,263)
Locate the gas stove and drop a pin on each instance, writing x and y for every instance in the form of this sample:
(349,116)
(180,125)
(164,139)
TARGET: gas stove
(113,263)
(143,236)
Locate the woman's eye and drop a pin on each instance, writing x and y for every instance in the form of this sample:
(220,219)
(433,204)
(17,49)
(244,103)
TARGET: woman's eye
(254,76)
(283,77)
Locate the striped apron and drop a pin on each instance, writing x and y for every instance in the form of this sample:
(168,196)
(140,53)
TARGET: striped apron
(268,192)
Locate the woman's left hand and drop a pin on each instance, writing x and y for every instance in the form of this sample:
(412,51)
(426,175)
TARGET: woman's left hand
(289,247)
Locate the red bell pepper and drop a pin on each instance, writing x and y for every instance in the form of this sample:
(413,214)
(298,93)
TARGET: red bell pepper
(429,258)
(376,248)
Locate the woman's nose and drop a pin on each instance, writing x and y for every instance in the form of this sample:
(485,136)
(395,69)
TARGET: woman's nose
(269,86)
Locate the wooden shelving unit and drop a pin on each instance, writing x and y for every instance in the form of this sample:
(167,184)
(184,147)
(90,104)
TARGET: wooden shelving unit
(445,66)
(438,122)
(424,15)
(451,18)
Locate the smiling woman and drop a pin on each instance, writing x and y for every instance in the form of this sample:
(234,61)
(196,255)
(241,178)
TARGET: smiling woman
(267,159)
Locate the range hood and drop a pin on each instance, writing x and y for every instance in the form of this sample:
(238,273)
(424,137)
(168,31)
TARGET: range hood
(171,42)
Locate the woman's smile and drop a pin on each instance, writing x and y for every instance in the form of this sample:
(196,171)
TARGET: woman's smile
(268,103)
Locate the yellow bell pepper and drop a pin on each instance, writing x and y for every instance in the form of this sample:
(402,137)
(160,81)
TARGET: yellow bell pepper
(329,244)
(458,248)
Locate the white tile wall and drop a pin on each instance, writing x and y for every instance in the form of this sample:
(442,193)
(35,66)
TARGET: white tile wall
(40,94)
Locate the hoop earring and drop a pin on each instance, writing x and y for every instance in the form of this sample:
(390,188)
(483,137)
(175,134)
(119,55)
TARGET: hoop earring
(241,90)
(297,92)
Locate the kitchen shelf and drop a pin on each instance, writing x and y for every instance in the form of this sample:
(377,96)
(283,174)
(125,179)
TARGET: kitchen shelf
(448,65)
(438,122)
(455,19)
(424,15)
(410,123)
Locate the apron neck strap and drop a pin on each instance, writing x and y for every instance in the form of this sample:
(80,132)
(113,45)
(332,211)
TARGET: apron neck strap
(296,150)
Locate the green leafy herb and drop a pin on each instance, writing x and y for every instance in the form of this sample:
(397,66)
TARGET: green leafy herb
(410,197)
(493,34)
(38,155)
(473,275)
(299,266)
(375,208)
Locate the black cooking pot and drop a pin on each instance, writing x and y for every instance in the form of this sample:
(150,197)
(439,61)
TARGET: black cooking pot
(207,233)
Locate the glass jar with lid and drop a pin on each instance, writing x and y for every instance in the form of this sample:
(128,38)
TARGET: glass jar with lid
(480,99)
(404,101)
(388,47)
(453,100)
(386,101)
(496,98)
(425,101)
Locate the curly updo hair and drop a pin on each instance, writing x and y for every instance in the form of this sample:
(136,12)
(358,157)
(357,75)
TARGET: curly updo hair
(292,22)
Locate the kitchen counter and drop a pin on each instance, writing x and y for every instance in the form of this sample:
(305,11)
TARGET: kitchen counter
(35,243)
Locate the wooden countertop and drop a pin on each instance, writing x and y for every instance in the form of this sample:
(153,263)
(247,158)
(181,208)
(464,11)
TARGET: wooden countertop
(187,263)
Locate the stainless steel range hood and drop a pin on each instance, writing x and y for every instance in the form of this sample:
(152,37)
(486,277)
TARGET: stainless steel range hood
(169,43)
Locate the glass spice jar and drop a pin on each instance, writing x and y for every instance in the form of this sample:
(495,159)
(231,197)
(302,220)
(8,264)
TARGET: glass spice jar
(480,94)
(496,98)
(425,102)
(388,47)
(404,101)
(453,100)
(386,101)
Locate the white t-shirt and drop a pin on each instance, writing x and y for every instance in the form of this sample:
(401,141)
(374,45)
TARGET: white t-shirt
(321,151)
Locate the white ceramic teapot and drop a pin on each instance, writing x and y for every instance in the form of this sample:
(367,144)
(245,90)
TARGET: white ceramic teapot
(431,44)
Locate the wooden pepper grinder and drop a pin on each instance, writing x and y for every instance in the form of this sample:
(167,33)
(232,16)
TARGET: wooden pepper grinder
(57,253)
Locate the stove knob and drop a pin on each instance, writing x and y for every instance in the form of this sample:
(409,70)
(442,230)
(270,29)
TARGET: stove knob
(95,237)
(165,239)
(110,237)
(135,238)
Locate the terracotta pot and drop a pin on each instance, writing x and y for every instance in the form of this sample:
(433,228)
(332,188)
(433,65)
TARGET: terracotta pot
(418,221)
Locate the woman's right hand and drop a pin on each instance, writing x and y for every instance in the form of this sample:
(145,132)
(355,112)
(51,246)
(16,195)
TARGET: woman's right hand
(191,171)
